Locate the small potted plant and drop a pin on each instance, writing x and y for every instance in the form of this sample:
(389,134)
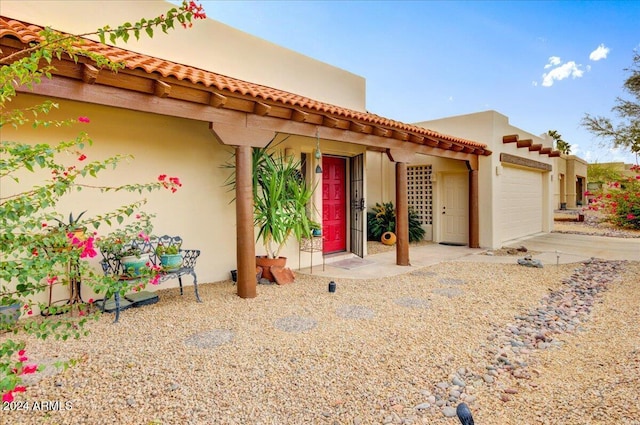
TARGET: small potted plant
(59,237)
(133,259)
(170,256)
(316,228)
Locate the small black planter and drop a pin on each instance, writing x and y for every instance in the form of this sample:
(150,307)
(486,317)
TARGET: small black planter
(234,275)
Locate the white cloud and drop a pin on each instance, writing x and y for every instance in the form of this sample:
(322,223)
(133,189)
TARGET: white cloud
(553,61)
(600,53)
(569,69)
(534,83)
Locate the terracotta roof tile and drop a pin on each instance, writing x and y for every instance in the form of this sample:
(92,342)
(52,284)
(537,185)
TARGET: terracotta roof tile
(28,33)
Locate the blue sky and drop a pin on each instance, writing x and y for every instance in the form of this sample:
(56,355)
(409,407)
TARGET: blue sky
(543,64)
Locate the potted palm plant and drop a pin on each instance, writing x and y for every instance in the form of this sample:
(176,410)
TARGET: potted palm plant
(280,197)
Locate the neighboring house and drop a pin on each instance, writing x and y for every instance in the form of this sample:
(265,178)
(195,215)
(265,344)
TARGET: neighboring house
(569,182)
(184,112)
(514,183)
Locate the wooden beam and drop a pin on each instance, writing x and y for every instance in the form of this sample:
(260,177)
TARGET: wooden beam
(431,142)
(89,73)
(524,162)
(511,138)
(298,115)
(401,155)
(161,89)
(245,241)
(444,145)
(217,100)
(382,132)
(402,215)
(261,109)
(240,135)
(414,138)
(554,154)
(456,148)
(545,151)
(524,143)
(400,135)
(357,127)
(330,122)
(371,141)
(535,147)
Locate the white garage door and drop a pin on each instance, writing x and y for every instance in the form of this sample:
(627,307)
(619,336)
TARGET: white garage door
(521,203)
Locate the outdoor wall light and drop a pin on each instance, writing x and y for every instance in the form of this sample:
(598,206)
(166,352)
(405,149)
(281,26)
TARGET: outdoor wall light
(318,154)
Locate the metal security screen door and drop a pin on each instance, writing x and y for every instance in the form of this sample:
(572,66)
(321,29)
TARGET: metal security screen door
(357,205)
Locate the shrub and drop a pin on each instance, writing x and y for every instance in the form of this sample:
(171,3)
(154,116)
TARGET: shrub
(620,201)
(383,219)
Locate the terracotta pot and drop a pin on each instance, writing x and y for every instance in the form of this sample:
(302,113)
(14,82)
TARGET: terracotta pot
(266,263)
(388,238)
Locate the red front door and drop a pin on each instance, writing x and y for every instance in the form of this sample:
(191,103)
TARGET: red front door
(334,206)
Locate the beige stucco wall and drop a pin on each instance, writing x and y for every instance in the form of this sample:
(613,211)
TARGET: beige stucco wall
(208,45)
(489,127)
(202,211)
(381,177)
(573,169)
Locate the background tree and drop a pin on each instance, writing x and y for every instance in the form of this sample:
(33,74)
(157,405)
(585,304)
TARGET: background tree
(625,133)
(561,145)
(603,173)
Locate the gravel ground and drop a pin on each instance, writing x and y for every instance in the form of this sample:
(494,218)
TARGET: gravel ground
(520,345)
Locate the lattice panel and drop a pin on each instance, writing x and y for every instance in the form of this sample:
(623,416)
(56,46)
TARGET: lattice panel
(420,192)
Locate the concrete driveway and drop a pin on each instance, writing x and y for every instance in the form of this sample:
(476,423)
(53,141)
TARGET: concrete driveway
(583,245)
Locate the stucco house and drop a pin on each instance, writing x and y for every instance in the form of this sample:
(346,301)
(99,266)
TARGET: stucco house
(478,180)
(570,183)
(514,183)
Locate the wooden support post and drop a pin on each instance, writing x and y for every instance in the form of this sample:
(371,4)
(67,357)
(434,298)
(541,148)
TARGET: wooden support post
(246,249)
(402,215)
(474,210)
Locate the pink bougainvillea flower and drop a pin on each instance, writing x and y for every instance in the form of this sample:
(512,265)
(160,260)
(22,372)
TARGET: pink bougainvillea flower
(90,301)
(84,119)
(82,157)
(21,352)
(23,359)
(138,216)
(142,235)
(7,397)
(20,389)
(81,313)
(631,216)
(161,177)
(52,279)
(44,225)
(175,180)
(28,369)
(34,252)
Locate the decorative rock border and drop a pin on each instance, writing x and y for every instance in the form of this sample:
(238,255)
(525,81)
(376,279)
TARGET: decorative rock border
(510,347)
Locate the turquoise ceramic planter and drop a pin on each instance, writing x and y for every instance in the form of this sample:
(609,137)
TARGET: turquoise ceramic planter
(133,265)
(171,261)
(9,314)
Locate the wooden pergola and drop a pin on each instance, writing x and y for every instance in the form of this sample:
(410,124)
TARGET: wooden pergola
(245,115)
